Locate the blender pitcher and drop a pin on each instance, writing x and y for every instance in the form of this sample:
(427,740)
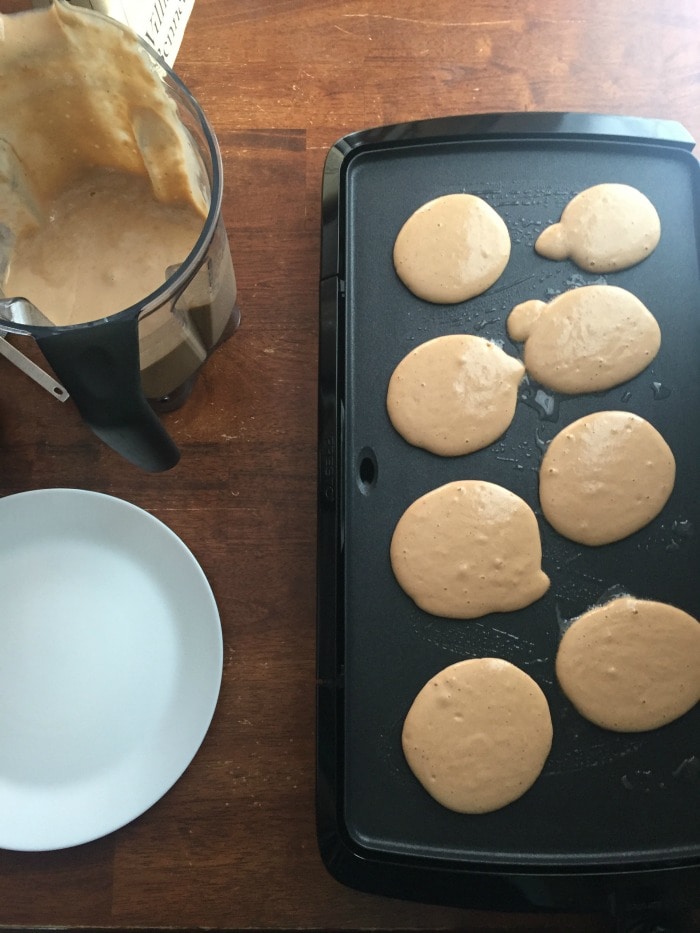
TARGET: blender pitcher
(123,367)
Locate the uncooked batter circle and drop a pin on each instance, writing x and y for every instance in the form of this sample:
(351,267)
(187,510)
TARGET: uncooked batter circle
(605,476)
(454,394)
(478,735)
(452,248)
(587,339)
(605,228)
(632,664)
(467,549)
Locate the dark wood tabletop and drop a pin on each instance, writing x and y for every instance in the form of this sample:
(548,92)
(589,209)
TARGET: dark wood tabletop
(233,844)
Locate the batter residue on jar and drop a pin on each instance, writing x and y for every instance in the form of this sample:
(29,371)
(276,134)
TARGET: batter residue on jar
(478,735)
(451,249)
(631,665)
(101,189)
(587,339)
(605,476)
(467,549)
(454,394)
(603,229)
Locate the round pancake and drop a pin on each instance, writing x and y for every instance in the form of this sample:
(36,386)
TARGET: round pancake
(478,735)
(467,549)
(451,249)
(454,394)
(605,476)
(631,665)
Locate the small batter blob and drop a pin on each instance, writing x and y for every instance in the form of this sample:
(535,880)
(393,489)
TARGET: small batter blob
(467,549)
(478,735)
(631,665)
(603,229)
(454,394)
(605,476)
(587,339)
(451,249)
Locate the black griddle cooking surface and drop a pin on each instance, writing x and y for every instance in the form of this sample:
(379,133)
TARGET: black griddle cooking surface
(605,803)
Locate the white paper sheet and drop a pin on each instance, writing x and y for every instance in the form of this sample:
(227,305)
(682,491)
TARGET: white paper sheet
(160,22)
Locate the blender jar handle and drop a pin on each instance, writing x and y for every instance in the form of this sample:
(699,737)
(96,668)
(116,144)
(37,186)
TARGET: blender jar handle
(99,366)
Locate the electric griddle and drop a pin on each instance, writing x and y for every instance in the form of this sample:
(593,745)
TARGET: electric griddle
(613,822)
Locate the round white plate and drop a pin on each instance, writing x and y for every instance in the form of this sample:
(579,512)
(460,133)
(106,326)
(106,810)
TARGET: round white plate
(110,665)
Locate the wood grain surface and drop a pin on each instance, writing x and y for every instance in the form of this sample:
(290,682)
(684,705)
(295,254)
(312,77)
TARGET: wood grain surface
(232,845)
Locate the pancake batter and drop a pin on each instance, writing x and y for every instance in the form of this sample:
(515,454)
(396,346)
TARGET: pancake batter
(603,229)
(100,187)
(75,267)
(454,394)
(605,476)
(587,339)
(467,549)
(478,735)
(631,665)
(451,249)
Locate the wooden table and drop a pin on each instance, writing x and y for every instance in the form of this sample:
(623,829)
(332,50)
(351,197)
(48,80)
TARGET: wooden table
(232,845)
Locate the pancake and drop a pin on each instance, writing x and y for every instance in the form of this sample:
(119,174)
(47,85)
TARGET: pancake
(478,735)
(467,549)
(603,229)
(451,249)
(587,339)
(454,395)
(631,665)
(605,476)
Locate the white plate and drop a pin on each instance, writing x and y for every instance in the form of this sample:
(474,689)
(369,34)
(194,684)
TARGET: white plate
(110,665)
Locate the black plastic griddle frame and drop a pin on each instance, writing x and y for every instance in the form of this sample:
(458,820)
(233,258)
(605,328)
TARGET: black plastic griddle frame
(640,899)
